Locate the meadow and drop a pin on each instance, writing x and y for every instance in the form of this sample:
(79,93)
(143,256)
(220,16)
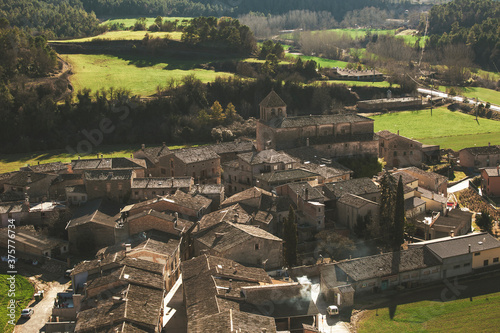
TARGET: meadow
(12,162)
(448,129)
(482,94)
(129,22)
(478,314)
(323,62)
(140,75)
(24,293)
(124,35)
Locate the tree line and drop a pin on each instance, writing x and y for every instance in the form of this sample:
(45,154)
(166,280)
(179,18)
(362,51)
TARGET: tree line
(51,18)
(471,24)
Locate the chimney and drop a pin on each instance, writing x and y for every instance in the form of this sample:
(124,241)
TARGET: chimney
(452,233)
(230,284)
(398,132)
(307,194)
(102,155)
(29,178)
(128,247)
(469,248)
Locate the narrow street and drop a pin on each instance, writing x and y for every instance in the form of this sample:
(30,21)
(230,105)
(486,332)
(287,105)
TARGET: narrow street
(42,309)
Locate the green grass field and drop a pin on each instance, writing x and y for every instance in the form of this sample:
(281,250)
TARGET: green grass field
(481,314)
(23,294)
(323,62)
(125,35)
(129,22)
(12,162)
(483,94)
(448,129)
(140,75)
(381,84)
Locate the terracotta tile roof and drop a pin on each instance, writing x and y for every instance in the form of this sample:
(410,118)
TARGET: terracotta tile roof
(272,100)
(267,156)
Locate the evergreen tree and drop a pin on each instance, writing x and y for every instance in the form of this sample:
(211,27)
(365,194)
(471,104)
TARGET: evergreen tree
(399,216)
(290,239)
(387,207)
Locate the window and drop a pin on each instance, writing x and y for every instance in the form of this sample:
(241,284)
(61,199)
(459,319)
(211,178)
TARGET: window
(172,163)
(427,272)
(411,152)
(485,263)
(163,171)
(404,153)
(495,259)
(154,192)
(257,246)
(467,264)
(456,267)
(120,186)
(108,187)
(395,153)
(477,254)
(136,193)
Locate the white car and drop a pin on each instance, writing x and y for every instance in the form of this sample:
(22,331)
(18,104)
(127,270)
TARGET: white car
(26,313)
(332,310)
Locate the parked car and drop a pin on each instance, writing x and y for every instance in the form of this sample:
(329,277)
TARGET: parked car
(332,310)
(26,313)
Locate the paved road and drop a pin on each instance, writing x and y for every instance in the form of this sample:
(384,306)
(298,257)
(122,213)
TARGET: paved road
(43,309)
(455,98)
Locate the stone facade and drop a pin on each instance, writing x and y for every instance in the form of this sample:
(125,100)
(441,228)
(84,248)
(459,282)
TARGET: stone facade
(399,151)
(480,157)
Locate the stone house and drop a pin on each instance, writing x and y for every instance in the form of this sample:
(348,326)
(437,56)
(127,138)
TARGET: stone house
(269,181)
(18,211)
(201,163)
(57,189)
(399,151)
(35,185)
(351,207)
(480,157)
(228,151)
(464,254)
(94,225)
(30,243)
(240,174)
(429,180)
(329,173)
(309,201)
(190,207)
(381,272)
(490,181)
(148,188)
(76,195)
(334,135)
(114,164)
(112,184)
(214,192)
(213,296)
(245,244)
(152,157)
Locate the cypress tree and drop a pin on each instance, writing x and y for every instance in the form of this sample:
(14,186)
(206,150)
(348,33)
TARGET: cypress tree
(399,216)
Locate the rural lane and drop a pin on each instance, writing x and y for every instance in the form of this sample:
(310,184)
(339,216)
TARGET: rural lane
(42,310)
(433,92)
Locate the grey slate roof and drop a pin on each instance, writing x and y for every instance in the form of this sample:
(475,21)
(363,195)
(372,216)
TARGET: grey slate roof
(492,172)
(232,147)
(46,167)
(431,175)
(193,155)
(448,247)
(431,195)
(108,175)
(285,175)
(233,321)
(24,178)
(355,201)
(227,235)
(413,202)
(326,171)
(247,194)
(266,156)
(454,218)
(108,163)
(234,213)
(387,264)
(312,120)
(162,182)
(485,150)
(99,211)
(76,189)
(300,189)
(153,154)
(359,186)
(272,100)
